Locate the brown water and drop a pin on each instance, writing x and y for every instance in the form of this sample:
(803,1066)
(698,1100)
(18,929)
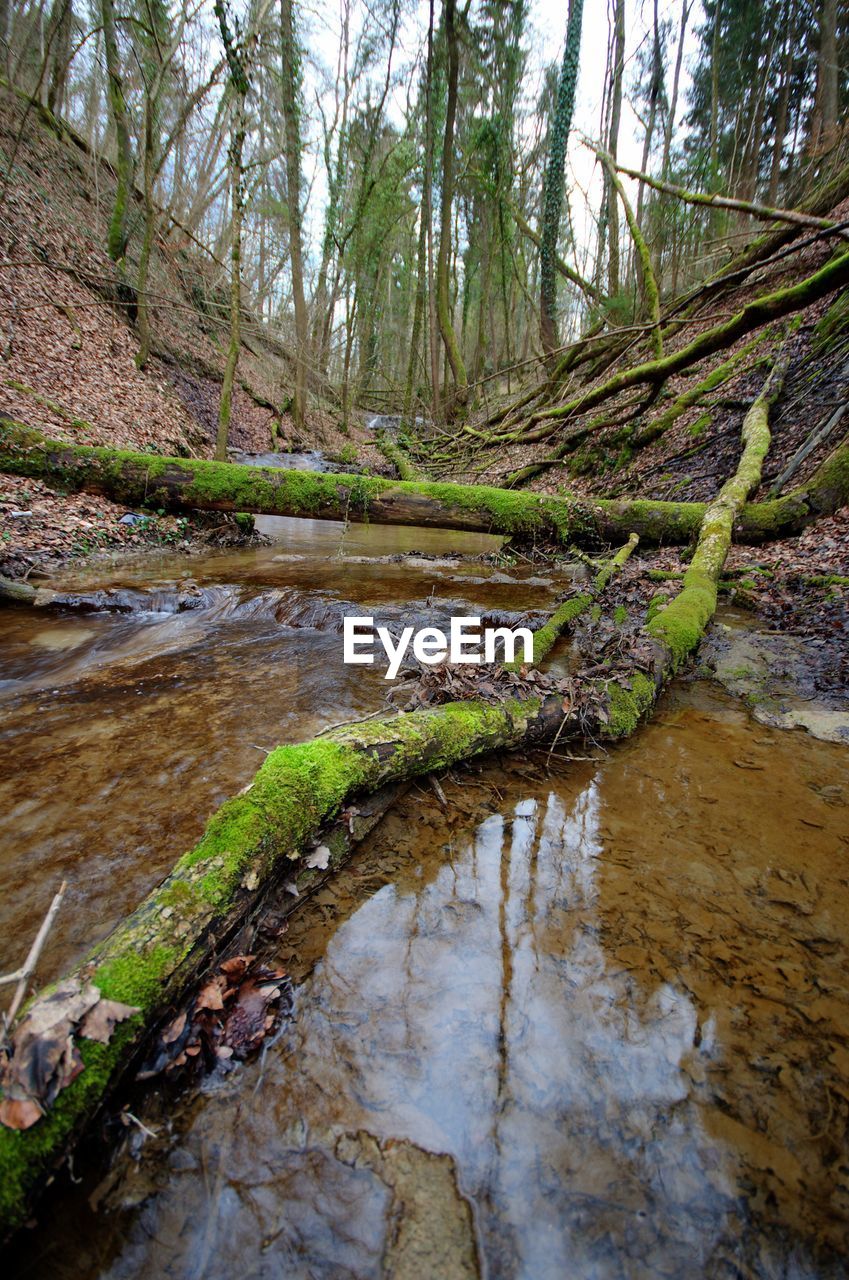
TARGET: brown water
(593,1021)
(120,732)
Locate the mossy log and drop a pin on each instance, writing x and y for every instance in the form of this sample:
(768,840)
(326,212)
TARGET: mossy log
(719,375)
(651,293)
(181,484)
(266,830)
(17,592)
(681,623)
(568,612)
(393,452)
(764,212)
(249,843)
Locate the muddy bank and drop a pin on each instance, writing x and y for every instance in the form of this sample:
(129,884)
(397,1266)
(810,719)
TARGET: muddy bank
(545,1033)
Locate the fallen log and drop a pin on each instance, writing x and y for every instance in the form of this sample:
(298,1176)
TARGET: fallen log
(766,213)
(398,457)
(180,484)
(266,831)
(680,625)
(571,609)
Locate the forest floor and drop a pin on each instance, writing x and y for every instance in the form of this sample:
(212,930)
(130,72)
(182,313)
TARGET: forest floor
(67,354)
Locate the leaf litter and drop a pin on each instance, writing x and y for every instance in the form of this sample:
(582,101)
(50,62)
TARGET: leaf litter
(41,1057)
(233,1012)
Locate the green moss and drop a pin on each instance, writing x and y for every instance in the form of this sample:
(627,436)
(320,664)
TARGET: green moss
(700,426)
(135,978)
(833,323)
(656,603)
(620,615)
(28,1156)
(627,704)
(681,624)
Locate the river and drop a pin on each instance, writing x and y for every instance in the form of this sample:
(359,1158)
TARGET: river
(592,1020)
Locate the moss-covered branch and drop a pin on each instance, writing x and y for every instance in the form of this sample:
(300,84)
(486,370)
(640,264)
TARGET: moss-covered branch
(681,623)
(651,293)
(401,461)
(761,310)
(717,377)
(571,609)
(766,213)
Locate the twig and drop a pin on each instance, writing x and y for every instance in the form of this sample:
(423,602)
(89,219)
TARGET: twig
(437,790)
(25,972)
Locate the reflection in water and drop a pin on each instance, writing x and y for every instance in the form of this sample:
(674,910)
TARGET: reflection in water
(589,1025)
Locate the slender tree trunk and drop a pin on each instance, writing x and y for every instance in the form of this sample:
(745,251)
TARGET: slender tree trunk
(289,92)
(60,26)
(555,173)
(237,143)
(824,117)
(147,240)
(117,238)
(655,91)
(443,263)
(669,132)
(613,276)
(783,105)
(427,213)
(418,321)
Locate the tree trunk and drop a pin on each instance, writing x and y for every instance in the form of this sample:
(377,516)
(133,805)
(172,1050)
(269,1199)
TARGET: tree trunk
(824,117)
(648,282)
(443,263)
(613,278)
(783,105)
(655,90)
(289,92)
(59,28)
(117,238)
(143,315)
(669,132)
(555,178)
(427,214)
(418,323)
(180,484)
(237,143)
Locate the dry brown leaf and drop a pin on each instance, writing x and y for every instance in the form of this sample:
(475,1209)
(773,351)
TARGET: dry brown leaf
(19,1113)
(100,1022)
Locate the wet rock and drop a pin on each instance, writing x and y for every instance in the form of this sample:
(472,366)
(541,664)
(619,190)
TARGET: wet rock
(777,676)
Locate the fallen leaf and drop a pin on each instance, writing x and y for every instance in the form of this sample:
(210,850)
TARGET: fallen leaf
(100,1022)
(319,858)
(19,1113)
(210,996)
(175,1029)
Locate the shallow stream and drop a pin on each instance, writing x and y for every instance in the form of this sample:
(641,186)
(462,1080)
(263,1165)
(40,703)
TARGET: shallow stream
(590,1021)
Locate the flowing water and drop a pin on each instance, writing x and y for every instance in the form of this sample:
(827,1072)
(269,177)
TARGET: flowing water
(590,1021)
